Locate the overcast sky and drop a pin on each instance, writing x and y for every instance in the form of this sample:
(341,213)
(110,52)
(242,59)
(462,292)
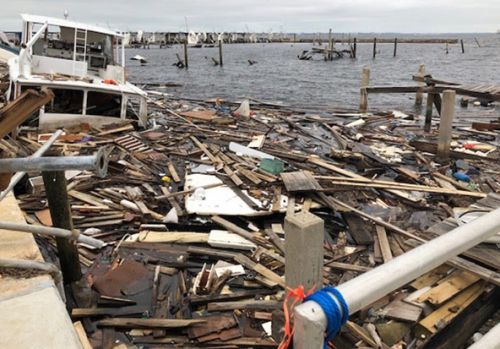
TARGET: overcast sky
(405,16)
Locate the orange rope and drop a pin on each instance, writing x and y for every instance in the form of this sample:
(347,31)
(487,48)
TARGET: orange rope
(296,295)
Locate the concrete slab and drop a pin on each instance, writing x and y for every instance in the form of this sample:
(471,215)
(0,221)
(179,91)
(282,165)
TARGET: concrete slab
(36,320)
(32,314)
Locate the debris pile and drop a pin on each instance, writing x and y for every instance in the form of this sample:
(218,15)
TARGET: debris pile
(193,210)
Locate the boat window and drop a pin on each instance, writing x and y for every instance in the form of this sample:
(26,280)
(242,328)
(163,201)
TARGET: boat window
(103,104)
(66,102)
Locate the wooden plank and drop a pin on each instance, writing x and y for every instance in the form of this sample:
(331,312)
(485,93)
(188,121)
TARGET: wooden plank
(147,323)
(449,310)
(82,335)
(430,278)
(403,311)
(233,227)
(87,198)
(385,248)
(350,267)
(456,282)
(300,181)
(248,304)
(173,172)
(358,228)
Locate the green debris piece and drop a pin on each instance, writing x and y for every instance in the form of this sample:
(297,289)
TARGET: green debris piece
(272,166)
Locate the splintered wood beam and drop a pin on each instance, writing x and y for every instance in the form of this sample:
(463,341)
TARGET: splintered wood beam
(16,112)
(148,323)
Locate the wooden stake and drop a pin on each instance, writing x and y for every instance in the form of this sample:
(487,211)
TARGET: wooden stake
(395,46)
(186,54)
(445,125)
(365,81)
(462,43)
(374,47)
(60,212)
(354,48)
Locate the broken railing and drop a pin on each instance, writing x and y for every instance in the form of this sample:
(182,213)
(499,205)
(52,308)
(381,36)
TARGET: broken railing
(311,319)
(52,169)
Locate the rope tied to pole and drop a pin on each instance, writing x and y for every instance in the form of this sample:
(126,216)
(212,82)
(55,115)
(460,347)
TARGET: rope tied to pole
(335,308)
(295,295)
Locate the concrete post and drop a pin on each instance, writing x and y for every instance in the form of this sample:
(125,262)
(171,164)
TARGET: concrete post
(304,236)
(445,124)
(365,81)
(420,95)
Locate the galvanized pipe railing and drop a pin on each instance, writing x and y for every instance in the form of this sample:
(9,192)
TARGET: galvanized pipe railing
(19,175)
(310,319)
(97,163)
(51,231)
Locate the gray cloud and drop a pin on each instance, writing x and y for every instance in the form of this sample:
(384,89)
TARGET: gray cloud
(408,16)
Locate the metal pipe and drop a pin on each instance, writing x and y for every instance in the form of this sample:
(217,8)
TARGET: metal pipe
(36,265)
(27,48)
(373,285)
(18,176)
(97,162)
(490,340)
(51,231)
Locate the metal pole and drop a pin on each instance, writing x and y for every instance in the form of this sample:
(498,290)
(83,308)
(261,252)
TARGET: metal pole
(97,163)
(51,231)
(490,340)
(373,285)
(18,176)
(60,212)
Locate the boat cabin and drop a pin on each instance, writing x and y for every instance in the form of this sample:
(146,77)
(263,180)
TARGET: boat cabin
(83,65)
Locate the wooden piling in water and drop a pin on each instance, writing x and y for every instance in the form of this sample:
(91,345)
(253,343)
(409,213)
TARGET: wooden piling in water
(60,213)
(186,54)
(374,47)
(330,45)
(365,81)
(462,43)
(428,112)
(220,53)
(355,47)
(445,124)
(419,96)
(395,46)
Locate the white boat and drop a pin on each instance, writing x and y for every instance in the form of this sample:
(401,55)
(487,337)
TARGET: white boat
(83,65)
(193,39)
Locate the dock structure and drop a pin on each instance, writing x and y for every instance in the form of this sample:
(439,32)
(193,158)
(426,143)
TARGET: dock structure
(143,39)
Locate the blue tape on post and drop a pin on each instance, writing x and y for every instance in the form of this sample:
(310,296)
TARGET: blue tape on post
(335,308)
